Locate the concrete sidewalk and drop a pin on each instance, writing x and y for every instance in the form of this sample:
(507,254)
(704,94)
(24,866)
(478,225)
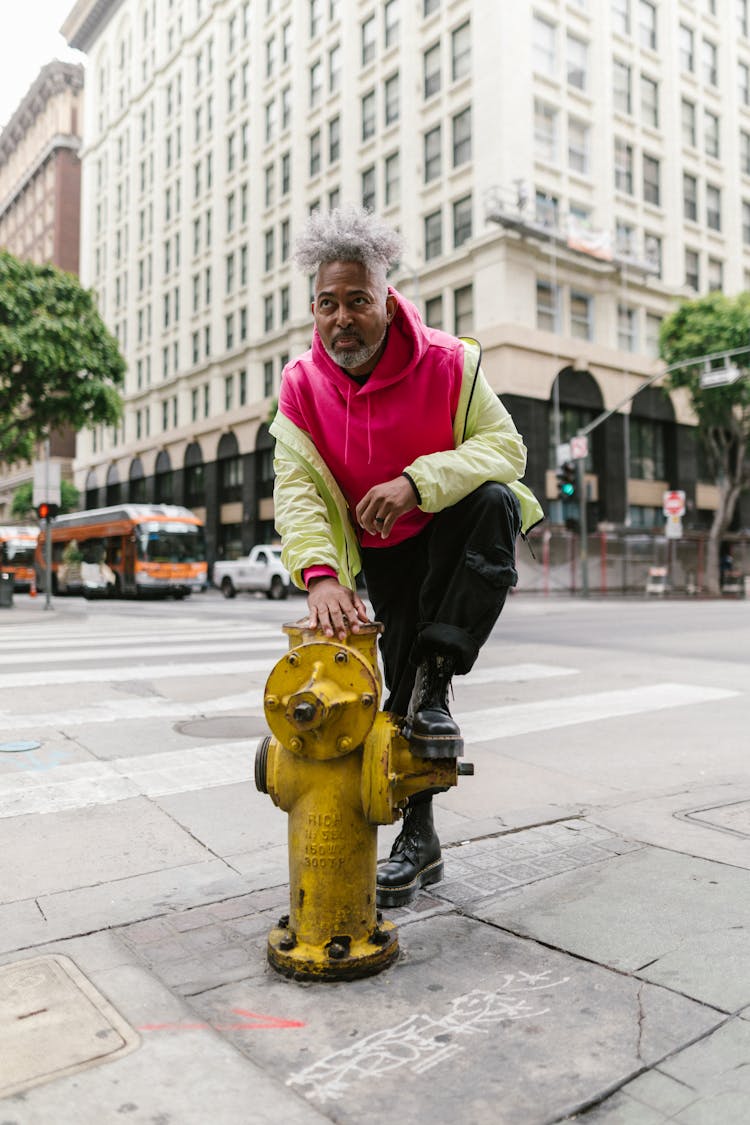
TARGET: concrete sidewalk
(580,960)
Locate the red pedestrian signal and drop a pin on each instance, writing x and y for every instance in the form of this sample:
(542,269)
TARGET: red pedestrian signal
(46,511)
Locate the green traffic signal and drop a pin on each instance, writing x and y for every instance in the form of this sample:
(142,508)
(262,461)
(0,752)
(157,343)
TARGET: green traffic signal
(566,481)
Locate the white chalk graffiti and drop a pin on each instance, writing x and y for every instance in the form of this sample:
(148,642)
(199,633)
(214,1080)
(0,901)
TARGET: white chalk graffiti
(421,1042)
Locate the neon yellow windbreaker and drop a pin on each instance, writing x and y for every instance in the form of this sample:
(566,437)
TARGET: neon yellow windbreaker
(312,516)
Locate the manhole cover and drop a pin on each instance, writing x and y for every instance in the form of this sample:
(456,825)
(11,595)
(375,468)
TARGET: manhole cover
(224,726)
(18,747)
(733,817)
(54,1022)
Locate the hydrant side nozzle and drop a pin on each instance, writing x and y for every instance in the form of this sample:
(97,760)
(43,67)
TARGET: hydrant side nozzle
(261,764)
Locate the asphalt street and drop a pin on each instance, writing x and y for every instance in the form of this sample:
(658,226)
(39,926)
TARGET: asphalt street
(585,958)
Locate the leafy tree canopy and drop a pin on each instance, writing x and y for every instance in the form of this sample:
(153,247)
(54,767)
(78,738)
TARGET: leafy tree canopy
(59,365)
(23,507)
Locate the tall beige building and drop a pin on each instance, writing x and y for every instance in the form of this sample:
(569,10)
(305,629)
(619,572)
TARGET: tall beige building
(40,183)
(562,170)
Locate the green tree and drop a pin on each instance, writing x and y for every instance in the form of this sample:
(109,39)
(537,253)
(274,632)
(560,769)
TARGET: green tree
(58,363)
(710,324)
(22,507)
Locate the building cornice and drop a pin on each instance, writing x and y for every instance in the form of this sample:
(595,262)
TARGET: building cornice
(53,79)
(53,145)
(87,19)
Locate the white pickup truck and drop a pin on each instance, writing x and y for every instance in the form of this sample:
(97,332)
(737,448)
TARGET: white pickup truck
(261,570)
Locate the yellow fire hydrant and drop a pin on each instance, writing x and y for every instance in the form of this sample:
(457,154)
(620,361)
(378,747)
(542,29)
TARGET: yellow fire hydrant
(339,767)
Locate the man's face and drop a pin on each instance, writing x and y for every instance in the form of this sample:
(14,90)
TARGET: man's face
(351,314)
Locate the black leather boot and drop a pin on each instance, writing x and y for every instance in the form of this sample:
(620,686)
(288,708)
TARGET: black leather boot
(430,729)
(415,859)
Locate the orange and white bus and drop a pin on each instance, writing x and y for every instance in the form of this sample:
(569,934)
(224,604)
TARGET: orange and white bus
(17,545)
(130,550)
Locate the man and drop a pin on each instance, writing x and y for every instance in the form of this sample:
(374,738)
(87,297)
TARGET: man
(394,456)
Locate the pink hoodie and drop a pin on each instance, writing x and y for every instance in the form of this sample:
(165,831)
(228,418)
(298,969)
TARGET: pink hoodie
(368,435)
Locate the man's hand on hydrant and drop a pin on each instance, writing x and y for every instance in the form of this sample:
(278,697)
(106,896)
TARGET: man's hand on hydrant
(379,508)
(335,609)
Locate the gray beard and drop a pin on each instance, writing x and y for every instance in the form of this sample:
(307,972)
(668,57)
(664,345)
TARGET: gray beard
(356,358)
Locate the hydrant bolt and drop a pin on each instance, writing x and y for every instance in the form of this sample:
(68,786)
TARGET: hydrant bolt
(336,951)
(367,700)
(271,702)
(304,713)
(295,745)
(343,743)
(341,658)
(283,921)
(287,942)
(379,937)
(293,658)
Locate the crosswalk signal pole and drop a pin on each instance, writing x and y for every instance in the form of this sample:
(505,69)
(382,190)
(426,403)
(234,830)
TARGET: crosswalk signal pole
(583,524)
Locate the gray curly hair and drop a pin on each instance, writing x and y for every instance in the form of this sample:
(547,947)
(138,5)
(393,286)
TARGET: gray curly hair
(348,234)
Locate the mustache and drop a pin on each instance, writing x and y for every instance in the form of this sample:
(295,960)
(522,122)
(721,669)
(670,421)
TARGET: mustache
(349,334)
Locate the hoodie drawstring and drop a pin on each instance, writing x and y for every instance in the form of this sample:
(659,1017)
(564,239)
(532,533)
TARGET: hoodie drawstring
(346,429)
(369,433)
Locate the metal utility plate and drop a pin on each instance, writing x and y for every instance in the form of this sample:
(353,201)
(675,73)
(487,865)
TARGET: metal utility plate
(54,1022)
(733,817)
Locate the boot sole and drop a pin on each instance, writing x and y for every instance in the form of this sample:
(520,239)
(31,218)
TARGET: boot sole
(407,892)
(438,746)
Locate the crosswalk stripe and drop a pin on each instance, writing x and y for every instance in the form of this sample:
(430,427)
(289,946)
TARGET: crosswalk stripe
(178,771)
(148,651)
(133,672)
(120,710)
(549,714)
(129,640)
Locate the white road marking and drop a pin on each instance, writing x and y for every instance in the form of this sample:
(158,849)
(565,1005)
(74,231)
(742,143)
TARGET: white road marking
(179,771)
(133,640)
(512,674)
(119,710)
(134,672)
(147,650)
(549,714)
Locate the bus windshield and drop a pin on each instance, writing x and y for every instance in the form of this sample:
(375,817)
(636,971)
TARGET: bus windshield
(170,541)
(20,552)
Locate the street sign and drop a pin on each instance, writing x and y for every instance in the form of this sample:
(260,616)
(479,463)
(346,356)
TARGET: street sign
(46,483)
(579,447)
(673,504)
(722,377)
(563,453)
(673,528)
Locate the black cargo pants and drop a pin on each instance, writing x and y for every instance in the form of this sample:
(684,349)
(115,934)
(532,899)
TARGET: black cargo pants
(443,590)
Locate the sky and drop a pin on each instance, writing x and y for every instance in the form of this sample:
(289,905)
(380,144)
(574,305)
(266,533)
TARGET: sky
(32,39)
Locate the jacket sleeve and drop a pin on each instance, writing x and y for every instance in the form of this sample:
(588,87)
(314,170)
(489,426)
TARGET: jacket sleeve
(491,451)
(301,518)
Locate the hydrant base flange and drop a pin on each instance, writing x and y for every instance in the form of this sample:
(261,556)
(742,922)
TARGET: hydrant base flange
(309,962)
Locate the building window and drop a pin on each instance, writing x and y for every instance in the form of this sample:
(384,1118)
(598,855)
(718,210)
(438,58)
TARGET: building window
(745,153)
(653,328)
(206,400)
(623,166)
(544,47)
(431,70)
(286,173)
(627,324)
(545,132)
(433,154)
(268,245)
(461,51)
(369,39)
(284,304)
(692,269)
(689,196)
(547,306)
(715,275)
(713,207)
(463,310)
(688,123)
(651,180)
(578,146)
(334,140)
(462,210)
(462,137)
(316,18)
(649,101)
(710,63)
(268,313)
(743,75)
(433,235)
(392,178)
(647,449)
(391,22)
(315,153)
(368,115)
(268,378)
(368,189)
(391,91)
(433,312)
(621,87)
(228,392)
(711,134)
(581,315)
(686,48)
(576,61)
(647,24)
(430,6)
(621,16)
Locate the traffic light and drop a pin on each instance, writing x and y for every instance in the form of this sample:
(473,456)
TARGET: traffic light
(46,511)
(566,481)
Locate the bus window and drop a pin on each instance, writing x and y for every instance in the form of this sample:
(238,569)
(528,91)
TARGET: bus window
(170,542)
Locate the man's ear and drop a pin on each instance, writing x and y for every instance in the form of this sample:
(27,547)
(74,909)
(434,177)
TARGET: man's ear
(391,304)
(312,307)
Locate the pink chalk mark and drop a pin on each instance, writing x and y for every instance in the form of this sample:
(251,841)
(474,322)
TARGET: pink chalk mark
(252,1021)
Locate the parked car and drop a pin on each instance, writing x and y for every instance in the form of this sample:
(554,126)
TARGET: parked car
(261,571)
